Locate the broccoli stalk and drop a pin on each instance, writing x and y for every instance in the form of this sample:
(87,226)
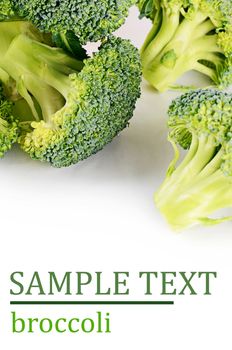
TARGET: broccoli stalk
(201,184)
(37,69)
(8,125)
(196,188)
(194,35)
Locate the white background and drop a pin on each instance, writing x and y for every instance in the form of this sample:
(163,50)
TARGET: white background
(99,215)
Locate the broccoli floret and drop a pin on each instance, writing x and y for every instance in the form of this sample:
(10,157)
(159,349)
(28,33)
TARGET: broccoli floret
(201,122)
(187,35)
(90,20)
(71,108)
(6,9)
(8,124)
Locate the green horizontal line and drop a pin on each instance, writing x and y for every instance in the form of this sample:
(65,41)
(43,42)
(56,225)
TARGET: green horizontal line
(92,303)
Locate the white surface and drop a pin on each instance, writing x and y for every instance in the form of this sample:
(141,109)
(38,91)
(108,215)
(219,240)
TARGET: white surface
(99,216)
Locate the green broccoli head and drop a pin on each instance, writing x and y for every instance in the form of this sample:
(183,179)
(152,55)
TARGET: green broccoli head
(202,112)
(6,10)
(8,124)
(90,20)
(201,122)
(73,107)
(99,101)
(193,35)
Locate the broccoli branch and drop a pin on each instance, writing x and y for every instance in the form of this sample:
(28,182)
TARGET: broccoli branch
(3,125)
(176,49)
(176,59)
(39,71)
(197,187)
(168,28)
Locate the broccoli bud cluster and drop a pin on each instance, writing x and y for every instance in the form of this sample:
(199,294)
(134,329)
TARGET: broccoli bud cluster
(60,105)
(90,20)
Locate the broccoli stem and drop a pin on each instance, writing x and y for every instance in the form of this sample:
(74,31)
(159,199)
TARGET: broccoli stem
(26,56)
(212,167)
(22,90)
(44,94)
(197,188)
(162,76)
(212,57)
(191,42)
(9,30)
(203,29)
(201,68)
(199,155)
(3,126)
(39,71)
(184,34)
(152,33)
(167,30)
(197,204)
(173,35)
(207,43)
(4,77)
